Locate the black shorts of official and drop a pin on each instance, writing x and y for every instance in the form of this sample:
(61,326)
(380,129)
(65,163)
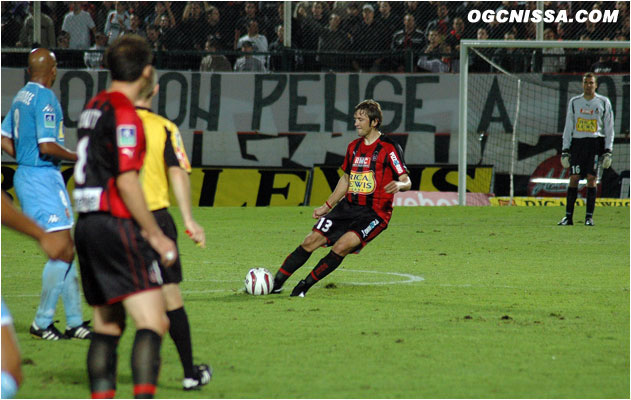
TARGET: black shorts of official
(347,217)
(584,153)
(172,274)
(114,259)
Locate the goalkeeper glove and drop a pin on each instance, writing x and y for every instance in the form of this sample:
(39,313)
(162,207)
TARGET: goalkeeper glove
(565,159)
(607,159)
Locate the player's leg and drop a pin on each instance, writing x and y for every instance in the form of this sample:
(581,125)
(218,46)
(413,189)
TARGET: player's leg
(591,199)
(52,286)
(148,312)
(342,247)
(109,324)
(298,258)
(179,330)
(572,193)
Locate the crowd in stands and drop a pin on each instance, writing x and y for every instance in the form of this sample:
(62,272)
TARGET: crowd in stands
(326,36)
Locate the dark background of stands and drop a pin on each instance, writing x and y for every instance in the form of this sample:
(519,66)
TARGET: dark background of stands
(326,36)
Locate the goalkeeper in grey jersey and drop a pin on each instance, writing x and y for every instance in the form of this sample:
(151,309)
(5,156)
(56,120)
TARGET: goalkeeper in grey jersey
(588,134)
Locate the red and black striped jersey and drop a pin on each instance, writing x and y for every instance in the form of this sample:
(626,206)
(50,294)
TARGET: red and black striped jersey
(111,141)
(370,169)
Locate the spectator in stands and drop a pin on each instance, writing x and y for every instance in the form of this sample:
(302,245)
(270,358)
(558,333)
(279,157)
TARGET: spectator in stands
(12,22)
(78,24)
(258,41)
(312,27)
(161,8)
(275,60)
(432,53)
(153,37)
(136,26)
(420,12)
(476,63)
(216,27)
(387,21)
(368,41)
(63,40)
(117,23)
(47,31)
(248,63)
(333,38)
(510,59)
(169,35)
(352,21)
(604,65)
(193,26)
(441,22)
(620,57)
(214,62)
(94,59)
(250,13)
(64,57)
(296,31)
(408,38)
(456,34)
(549,60)
(432,63)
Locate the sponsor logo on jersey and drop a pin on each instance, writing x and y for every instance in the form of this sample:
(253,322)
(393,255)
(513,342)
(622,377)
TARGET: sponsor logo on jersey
(396,163)
(49,120)
(48,109)
(588,112)
(586,125)
(128,152)
(361,162)
(362,182)
(53,219)
(370,227)
(126,135)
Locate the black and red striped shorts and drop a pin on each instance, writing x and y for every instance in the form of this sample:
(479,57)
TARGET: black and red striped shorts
(114,259)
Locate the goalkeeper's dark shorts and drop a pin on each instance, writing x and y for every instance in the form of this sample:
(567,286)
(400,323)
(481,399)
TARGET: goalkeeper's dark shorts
(172,274)
(347,217)
(584,153)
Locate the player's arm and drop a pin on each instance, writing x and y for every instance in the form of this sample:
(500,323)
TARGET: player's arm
(130,191)
(404,183)
(55,150)
(56,247)
(340,190)
(567,136)
(8,146)
(608,122)
(181,185)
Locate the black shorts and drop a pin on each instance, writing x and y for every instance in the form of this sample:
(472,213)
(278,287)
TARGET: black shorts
(584,154)
(347,217)
(172,274)
(114,259)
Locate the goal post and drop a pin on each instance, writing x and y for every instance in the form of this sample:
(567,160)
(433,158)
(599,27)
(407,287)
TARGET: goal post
(465,51)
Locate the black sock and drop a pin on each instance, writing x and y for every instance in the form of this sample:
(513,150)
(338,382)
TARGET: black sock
(572,192)
(293,261)
(325,266)
(591,202)
(145,363)
(102,359)
(180,332)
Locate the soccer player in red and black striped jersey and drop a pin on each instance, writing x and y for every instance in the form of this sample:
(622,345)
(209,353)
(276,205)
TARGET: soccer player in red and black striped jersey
(118,240)
(359,208)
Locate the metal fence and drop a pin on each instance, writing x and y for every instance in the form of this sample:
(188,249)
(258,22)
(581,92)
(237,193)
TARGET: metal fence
(325,36)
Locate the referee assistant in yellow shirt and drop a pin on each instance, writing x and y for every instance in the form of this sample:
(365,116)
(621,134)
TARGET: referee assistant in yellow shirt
(166,163)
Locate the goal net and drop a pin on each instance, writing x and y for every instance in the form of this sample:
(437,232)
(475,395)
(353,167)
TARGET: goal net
(514,120)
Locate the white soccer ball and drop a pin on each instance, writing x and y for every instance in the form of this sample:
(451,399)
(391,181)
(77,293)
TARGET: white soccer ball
(259,281)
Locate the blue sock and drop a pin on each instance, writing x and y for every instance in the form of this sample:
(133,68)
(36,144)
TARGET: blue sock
(72,298)
(9,386)
(52,285)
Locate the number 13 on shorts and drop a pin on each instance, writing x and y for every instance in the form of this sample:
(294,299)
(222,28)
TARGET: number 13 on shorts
(324,224)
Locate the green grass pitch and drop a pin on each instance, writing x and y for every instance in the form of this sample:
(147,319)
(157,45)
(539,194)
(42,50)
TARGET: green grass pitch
(449,302)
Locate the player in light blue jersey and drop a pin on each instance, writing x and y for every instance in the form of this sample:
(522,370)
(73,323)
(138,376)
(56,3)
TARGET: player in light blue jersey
(32,132)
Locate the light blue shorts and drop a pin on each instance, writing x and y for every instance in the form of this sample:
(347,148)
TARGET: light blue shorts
(43,197)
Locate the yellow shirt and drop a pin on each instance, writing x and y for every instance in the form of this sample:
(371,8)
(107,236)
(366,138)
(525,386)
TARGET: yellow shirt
(164,149)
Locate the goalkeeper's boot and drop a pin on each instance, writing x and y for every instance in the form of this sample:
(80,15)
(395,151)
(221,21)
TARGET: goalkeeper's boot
(50,333)
(83,331)
(300,290)
(201,376)
(566,221)
(589,221)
